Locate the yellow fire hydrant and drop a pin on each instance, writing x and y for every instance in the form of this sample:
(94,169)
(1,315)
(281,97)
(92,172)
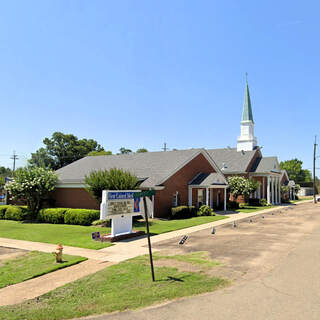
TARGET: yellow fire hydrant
(58,253)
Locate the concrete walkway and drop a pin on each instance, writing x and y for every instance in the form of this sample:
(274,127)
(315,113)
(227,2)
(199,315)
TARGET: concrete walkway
(98,259)
(36,287)
(131,248)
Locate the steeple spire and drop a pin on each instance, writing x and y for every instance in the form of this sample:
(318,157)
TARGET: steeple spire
(247,110)
(247,141)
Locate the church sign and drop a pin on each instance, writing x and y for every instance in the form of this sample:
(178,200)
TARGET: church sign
(120,207)
(122,203)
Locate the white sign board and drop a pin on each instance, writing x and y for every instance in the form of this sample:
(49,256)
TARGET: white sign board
(120,207)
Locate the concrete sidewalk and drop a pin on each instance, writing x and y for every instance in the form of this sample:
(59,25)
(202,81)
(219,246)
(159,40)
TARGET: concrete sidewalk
(98,259)
(131,248)
(36,287)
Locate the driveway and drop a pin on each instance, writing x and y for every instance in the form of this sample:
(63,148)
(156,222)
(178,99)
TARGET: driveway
(274,262)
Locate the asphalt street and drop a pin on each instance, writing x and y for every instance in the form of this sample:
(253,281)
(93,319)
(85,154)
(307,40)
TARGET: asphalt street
(283,283)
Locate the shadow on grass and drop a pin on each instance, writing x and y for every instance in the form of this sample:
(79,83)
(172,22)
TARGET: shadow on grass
(171,279)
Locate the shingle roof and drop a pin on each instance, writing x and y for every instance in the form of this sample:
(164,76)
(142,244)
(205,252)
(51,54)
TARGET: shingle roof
(153,167)
(207,179)
(232,160)
(265,165)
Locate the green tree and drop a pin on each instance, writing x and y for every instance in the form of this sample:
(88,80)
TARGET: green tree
(62,149)
(123,150)
(5,172)
(32,185)
(295,171)
(99,153)
(241,186)
(42,159)
(113,179)
(141,150)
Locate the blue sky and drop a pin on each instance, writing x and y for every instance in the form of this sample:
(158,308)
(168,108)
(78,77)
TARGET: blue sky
(140,73)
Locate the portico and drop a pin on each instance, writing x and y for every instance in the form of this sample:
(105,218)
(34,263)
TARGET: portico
(209,189)
(270,186)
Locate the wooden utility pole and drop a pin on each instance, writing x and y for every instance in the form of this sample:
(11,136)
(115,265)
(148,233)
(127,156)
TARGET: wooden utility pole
(314,169)
(14,158)
(165,147)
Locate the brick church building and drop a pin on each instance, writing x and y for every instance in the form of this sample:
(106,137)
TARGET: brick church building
(181,177)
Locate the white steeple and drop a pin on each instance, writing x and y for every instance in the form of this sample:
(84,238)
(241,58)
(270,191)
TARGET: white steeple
(247,141)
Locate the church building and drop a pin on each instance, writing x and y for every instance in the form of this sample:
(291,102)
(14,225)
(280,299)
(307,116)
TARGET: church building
(181,177)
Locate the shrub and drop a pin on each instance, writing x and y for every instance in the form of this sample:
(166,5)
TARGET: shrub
(83,217)
(263,202)
(105,223)
(183,212)
(113,179)
(254,202)
(52,215)
(205,211)
(232,205)
(3,209)
(16,213)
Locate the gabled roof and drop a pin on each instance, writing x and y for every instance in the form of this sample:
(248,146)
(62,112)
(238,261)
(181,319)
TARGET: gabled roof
(152,167)
(266,165)
(231,161)
(207,179)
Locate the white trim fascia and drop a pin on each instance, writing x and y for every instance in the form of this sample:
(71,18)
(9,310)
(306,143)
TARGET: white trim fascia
(70,185)
(209,186)
(264,174)
(82,185)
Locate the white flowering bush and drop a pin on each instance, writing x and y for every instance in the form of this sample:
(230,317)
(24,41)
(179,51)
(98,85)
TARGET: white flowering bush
(241,186)
(32,185)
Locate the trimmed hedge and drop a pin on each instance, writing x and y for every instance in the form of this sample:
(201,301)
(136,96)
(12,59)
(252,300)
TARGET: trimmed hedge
(16,213)
(52,215)
(205,211)
(3,209)
(183,212)
(232,205)
(82,217)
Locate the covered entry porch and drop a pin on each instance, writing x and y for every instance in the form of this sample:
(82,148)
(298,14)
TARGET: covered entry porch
(208,189)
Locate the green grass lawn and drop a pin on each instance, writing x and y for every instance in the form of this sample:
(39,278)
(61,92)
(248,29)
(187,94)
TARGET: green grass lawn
(30,265)
(302,199)
(124,286)
(80,236)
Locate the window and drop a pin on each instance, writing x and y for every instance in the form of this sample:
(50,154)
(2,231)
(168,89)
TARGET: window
(200,197)
(175,199)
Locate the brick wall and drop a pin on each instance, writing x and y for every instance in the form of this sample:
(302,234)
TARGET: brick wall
(179,182)
(74,198)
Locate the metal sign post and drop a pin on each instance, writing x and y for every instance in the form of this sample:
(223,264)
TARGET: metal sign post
(145,194)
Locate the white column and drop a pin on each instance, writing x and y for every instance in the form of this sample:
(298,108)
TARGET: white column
(268,190)
(152,215)
(279,186)
(275,190)
(207,196)
(272,191)
(225,200)
(190,196)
